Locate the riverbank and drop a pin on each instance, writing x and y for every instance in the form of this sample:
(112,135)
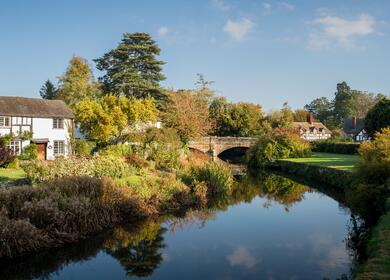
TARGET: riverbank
(65,210)
(339,171)
(333,169)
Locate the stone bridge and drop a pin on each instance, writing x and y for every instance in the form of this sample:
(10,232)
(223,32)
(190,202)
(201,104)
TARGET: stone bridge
(216,145)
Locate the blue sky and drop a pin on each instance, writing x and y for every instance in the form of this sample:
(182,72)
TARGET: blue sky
(266,52)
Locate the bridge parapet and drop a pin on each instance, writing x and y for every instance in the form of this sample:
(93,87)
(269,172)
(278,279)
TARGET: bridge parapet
(214,145)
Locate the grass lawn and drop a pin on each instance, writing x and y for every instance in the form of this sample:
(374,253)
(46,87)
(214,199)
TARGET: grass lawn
(11,174)
(337,161)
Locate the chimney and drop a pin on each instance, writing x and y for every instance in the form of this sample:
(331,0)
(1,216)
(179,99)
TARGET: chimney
(309,117)
(354,123)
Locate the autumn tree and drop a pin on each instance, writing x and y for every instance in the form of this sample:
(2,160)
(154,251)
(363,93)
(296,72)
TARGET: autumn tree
(235,119)
(110,118)
(187,112)
(48,90)
(77,83)
(132,68)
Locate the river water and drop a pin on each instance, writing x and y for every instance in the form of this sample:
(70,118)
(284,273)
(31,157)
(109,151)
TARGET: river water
(275,228)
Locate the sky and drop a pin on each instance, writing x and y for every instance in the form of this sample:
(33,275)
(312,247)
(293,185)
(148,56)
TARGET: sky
(266,52)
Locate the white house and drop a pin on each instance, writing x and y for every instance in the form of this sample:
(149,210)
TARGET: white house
(312,131)
(49,123)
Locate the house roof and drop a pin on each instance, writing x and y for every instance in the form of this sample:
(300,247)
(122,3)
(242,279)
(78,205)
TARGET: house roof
(33,107)
(348,126)
(307,126)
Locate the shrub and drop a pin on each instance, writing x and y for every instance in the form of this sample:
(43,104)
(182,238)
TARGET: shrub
(84,148)
(29,153)
(6,155)
(119,150)
(217,177)
(163,146)
(328,146)
(368,194)
(62,211)
(280,143)
(109,166)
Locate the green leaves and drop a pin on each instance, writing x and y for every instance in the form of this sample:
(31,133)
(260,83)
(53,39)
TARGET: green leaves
(132,68)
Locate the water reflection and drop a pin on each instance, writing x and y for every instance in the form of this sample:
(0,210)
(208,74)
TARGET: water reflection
(232,238)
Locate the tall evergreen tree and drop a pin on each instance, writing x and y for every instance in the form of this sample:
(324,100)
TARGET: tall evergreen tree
(48,90)
(132,69)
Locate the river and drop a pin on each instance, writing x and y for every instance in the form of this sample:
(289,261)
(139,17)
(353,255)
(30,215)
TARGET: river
(272,229)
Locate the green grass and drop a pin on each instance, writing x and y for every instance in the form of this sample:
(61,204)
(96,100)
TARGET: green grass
(132,180)
(337,161)
(11,174)
(378,263)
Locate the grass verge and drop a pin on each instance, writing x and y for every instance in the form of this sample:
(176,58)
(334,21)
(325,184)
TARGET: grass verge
(10,174)
(336,161)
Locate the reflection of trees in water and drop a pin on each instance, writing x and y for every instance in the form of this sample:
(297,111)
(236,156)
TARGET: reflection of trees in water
(356,239)
(139,253)
(138,248)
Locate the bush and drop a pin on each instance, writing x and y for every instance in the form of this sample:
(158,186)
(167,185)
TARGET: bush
(29,153)
(6,155)
(109,166)
(62,211)
(84,148)
(119,150)
(372,187)
(280,143)
(327,146)
(217,177)
(163,146)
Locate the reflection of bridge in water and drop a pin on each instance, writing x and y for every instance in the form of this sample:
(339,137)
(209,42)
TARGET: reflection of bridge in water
(214,146)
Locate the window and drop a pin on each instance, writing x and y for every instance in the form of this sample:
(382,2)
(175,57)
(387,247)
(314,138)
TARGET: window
(15,147)
(5,121)
(59,147)
(58,123)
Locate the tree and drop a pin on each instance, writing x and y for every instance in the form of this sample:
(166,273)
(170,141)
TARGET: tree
(343,103)
(187,112)
(282,118)
(300,115)
(236,119)
(48,90)
(362,103)
(132,68)
(320,107)
(77,83)
(378,117)
(109,118)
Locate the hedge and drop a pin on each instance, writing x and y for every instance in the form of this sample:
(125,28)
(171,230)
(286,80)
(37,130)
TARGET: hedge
(330,176)
(335,147)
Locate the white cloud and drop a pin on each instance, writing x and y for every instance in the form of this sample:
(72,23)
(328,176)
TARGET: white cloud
(162,31)
(220,5)
(238,30)
(339,30)
(287,6)
(242,257)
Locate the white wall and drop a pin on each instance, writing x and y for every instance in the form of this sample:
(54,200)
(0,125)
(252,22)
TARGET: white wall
(43,128)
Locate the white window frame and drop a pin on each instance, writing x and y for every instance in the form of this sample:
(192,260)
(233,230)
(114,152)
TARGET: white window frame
(58,123)
(59,147)
(3,121)
(15,147)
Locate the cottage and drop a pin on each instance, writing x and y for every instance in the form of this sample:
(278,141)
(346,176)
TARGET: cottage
(311,130)
(48,122)
(354,128)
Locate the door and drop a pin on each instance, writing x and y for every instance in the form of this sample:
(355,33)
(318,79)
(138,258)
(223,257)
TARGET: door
(41,149)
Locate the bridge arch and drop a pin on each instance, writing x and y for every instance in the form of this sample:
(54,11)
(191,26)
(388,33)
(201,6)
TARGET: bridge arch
(217,145)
